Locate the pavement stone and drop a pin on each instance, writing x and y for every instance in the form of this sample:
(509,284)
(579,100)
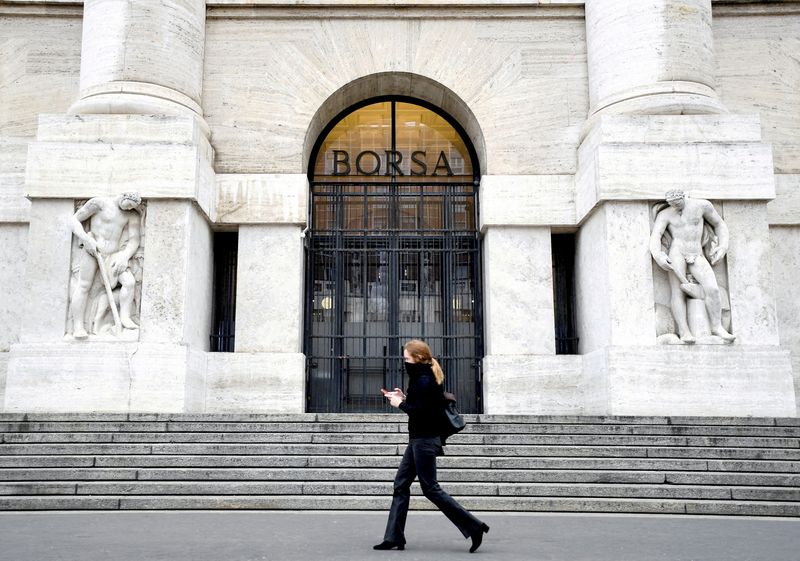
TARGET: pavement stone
(333,536)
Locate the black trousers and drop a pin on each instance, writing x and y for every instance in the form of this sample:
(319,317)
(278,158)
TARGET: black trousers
(419,459)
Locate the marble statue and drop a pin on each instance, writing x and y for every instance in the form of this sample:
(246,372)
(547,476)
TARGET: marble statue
(688,238)
(109,263)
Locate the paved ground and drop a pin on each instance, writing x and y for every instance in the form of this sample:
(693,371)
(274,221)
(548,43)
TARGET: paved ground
(329,536)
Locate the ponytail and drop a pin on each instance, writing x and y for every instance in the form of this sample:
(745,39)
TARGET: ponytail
(437,371)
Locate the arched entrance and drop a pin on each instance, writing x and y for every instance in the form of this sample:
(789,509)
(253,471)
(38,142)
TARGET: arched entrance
(393,253)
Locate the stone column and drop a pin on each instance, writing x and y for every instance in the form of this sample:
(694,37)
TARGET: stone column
(136,126)
(142,57)
(655,123)
(162,368)
(650,57)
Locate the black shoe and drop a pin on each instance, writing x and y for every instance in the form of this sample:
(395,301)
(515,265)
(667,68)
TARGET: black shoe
(390,545)
(477,538)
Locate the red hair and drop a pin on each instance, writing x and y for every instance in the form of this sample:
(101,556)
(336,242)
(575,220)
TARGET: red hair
(421,352)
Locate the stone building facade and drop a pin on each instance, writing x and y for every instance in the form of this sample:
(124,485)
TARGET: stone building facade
(562,125)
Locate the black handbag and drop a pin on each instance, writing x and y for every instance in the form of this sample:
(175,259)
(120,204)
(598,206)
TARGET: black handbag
(452,421)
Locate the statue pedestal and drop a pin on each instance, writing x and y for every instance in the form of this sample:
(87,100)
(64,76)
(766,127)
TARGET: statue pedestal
(692,380)
(93,376)
(104,377)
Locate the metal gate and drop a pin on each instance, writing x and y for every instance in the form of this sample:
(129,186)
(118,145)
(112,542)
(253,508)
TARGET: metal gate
(388,262)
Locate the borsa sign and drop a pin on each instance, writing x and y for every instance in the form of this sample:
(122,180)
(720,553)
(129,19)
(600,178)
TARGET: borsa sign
(390,163)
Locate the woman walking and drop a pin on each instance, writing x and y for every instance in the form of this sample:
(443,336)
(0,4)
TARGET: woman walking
(424,404)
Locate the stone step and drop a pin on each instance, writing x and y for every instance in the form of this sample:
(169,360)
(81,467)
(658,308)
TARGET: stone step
(359,446)
(324,456)
(498,463)
(338,502)
(239,449)
(452,460)
(391,438)
(350,418)
(400,427)
(541,451)
(307,461)
(383,487)
(445,474)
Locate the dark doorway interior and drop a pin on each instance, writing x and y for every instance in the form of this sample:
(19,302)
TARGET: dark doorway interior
(392,254)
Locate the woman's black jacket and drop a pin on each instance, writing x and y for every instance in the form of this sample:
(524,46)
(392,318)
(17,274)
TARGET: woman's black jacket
(424,402)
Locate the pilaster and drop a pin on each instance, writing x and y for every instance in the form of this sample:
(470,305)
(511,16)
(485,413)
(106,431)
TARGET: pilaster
(656,124)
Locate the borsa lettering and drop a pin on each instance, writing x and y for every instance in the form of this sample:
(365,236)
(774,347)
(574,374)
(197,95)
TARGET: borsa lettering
(370,162)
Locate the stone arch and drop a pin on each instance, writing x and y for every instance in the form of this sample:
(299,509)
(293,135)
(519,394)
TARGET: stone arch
(401,84)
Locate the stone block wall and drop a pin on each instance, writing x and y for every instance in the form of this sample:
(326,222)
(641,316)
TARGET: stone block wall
(570,139)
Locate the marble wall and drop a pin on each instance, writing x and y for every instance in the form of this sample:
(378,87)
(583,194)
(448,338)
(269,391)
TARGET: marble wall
(519,291)
(177,276)
(255,383)
(40,61)
(545,385)
(785,253)
(39,73)
(758,72)
(524,78)
(519,69)
(269,295)
(613,278)
(14,207)
(13,247)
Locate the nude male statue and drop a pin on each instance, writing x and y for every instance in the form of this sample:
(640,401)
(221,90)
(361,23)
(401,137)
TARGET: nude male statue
(108,219)
(684,221)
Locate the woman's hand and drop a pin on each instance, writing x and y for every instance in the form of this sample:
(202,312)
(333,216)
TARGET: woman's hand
(395,397)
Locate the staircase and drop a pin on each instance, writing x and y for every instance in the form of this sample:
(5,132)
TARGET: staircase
(668,465)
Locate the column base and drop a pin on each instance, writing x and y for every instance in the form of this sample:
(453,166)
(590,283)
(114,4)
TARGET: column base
(138,98)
